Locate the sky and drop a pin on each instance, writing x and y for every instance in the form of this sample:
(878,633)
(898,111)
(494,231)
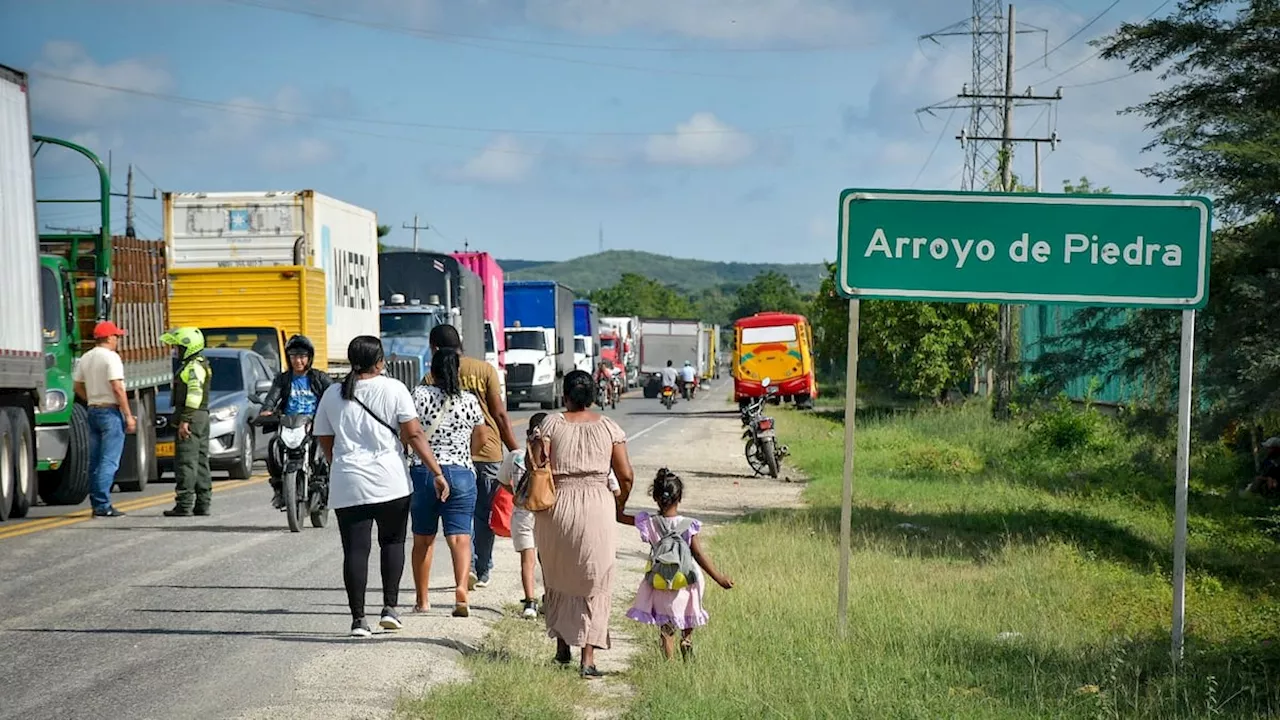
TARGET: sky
(710,129)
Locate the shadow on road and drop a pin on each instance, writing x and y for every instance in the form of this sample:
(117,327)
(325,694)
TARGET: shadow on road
(276,635)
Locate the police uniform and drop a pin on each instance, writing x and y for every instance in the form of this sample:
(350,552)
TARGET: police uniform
(194,484)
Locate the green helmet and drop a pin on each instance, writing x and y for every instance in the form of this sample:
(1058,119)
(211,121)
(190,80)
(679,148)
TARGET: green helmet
(190,339)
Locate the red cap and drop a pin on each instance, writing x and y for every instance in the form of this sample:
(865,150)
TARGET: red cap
(105,329)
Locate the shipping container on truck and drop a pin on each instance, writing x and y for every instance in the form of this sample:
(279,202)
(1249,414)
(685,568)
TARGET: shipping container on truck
(252,308)
(419,290)
(586,341)
(22,357)
(709,364)
(87,277)
(628,331)
(663,340)
(490,272)
(285,228)
(539,317)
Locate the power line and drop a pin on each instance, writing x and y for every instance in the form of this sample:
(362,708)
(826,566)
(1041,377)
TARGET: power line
(1073,35)
(438,34)
(1050,79)
(941,134)
(372,121)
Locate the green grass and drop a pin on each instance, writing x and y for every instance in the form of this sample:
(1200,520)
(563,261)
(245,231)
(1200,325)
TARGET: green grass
(999,571)
(511,677)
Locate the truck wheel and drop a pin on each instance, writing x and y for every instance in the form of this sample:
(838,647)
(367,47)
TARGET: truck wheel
(243,468)
(69,484)
(7,453)
(24,464)
(139,459)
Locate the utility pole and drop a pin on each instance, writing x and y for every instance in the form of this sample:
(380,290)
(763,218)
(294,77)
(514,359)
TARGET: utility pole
(415,227)
(601,237)
(129,197)
(990,42)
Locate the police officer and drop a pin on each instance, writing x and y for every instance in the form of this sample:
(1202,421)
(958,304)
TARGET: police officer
(194,486)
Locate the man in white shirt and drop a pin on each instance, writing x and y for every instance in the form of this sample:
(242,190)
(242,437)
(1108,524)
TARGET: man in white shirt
(99,383)
(688,379)
(670,376)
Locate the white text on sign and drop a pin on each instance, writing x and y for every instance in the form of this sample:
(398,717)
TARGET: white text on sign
(1076,247)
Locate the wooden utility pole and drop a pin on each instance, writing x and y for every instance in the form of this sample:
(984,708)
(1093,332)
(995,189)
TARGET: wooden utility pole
(129,197)
(415,227)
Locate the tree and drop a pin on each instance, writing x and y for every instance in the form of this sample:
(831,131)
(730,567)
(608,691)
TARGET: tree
(636,295)
(383,231)
(1218,125)
(768,291)
(915,348)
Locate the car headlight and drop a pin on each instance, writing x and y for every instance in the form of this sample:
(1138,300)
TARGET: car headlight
(54,401)
(292,437)
(224,413)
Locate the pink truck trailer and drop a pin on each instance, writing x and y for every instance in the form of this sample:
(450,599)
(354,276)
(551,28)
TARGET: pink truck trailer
(490,272)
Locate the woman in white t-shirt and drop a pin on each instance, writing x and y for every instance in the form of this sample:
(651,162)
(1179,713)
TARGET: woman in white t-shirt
(361,424)
(456,428)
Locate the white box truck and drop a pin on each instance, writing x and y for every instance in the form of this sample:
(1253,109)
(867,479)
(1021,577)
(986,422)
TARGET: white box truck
(663,340)
(22,357)
(298,228)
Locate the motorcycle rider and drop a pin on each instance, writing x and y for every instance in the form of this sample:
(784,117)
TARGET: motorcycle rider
(296,391)
(670,376)
(688,380)
(606,373)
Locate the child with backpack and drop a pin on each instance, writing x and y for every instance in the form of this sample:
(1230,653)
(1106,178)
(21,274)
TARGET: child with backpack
(670,596)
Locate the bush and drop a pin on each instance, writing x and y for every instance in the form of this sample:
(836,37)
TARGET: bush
(1067,429)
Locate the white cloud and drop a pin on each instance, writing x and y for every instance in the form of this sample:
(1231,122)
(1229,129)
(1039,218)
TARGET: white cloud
(293,154)
(795,21)
(503,160)
(85,104)
(703,140)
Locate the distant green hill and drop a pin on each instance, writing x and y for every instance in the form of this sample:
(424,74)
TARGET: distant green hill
(590,272)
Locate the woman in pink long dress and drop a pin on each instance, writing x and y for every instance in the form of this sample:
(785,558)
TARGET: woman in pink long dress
(577,539)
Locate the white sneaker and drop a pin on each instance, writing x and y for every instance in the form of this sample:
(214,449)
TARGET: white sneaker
(389,620)
(359,629)
(530,609)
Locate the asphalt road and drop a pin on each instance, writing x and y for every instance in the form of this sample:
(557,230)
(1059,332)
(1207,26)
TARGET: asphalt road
(154,617)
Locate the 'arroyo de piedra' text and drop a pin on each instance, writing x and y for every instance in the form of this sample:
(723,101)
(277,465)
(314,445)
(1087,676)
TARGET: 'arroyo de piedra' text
(1074,248)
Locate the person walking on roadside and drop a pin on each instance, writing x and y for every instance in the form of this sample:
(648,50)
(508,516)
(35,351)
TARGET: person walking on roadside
(576,537)
(456,429)
(522,522)
(480,379)
(98,381)
(363,425)
(193,491)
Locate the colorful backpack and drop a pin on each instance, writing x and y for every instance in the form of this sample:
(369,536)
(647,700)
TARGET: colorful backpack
(671,565)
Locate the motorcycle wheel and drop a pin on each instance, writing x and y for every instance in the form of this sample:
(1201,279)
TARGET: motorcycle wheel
(754,459)
(770,452)
(613,400)
(320,518)
(294,506)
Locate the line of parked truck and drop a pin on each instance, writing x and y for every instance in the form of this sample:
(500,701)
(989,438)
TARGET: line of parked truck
(252,269)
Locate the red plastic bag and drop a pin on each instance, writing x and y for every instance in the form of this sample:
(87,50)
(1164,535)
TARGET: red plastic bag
(500,516)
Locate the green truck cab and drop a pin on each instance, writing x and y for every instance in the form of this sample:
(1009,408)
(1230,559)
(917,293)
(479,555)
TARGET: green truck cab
(87,276)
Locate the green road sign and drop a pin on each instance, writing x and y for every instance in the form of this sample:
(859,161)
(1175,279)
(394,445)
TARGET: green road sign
(1115,250)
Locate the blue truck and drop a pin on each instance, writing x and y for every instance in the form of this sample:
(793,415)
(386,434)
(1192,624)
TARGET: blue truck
(539,334)
(418,291)
(586,336)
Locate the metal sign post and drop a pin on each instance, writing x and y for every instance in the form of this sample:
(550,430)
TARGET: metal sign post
(1096,250)
(846,497)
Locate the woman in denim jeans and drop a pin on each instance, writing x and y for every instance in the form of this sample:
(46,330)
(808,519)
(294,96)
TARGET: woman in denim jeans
(456,430)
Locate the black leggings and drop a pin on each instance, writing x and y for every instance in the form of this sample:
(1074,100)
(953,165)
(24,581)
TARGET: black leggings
(355,524)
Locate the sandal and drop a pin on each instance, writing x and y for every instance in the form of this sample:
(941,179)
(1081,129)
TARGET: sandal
(461,610)
(590,671)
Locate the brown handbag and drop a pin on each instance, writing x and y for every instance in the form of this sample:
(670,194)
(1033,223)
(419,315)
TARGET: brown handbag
(537,489)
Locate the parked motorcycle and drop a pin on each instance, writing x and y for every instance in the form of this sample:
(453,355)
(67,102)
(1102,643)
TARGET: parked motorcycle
(305,474)
(763,452)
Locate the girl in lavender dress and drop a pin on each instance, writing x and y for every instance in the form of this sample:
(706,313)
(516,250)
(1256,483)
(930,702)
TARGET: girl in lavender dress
(670,596)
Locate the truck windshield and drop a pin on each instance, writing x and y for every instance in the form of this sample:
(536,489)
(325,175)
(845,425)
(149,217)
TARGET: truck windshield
(779,334)
(488,338)
(526,340)
(608,343)
(50,305)
(262,340)
(408,324)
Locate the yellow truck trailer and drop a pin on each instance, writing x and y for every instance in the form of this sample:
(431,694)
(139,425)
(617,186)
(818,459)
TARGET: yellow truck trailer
(254,308)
